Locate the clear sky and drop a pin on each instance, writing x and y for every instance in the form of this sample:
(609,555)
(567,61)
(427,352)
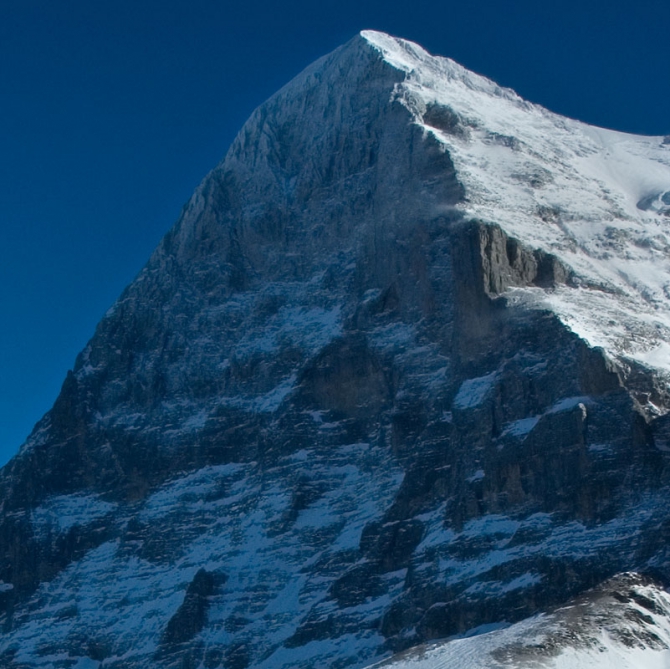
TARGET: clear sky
(112,111)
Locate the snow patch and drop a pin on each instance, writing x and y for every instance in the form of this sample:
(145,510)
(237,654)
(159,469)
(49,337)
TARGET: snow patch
(474,391)
(309,328)
(597,199)
(60,514)
(520,428)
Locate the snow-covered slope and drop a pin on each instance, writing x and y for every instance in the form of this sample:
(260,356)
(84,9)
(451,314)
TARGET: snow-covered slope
(339,413)
(622,624)
(597,198)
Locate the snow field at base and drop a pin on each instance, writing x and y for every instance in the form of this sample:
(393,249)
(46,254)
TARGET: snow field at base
(601,635)
(596,198)
(474,653)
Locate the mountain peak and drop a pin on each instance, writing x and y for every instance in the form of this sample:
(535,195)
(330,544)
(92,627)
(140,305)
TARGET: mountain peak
(355,400)
(412,58)
(596,198)
(558,185)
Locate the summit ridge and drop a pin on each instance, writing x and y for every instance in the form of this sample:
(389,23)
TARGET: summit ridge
(596,198)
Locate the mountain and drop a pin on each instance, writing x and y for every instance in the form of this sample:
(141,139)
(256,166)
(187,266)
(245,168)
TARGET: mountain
(398,372)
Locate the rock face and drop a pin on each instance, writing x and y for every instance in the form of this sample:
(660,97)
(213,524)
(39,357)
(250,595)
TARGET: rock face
(346,407)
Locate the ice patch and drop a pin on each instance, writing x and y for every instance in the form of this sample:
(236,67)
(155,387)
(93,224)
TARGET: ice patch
(524,426)
(600,448)
(197,421)
(267,403)
(523,581)
(491,525)
(520,428)
(498,588)
(435,534)
(86,663)
(474,391)
(569,403)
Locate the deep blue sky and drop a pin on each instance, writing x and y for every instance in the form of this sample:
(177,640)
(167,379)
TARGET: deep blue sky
(111,112)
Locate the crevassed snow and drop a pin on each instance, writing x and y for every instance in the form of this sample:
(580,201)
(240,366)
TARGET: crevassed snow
(596,198)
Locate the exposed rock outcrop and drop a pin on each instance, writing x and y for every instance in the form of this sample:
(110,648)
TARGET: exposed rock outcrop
(191,616)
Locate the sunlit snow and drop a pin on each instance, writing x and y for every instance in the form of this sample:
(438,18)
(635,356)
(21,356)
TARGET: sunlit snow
(596,198)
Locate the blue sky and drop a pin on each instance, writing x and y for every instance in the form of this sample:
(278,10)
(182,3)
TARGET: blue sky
(113,111)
